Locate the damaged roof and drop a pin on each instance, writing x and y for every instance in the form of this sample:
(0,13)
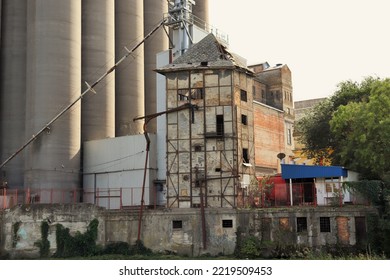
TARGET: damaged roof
(207,53)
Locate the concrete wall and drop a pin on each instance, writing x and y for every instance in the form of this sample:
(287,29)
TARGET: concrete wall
(158,234)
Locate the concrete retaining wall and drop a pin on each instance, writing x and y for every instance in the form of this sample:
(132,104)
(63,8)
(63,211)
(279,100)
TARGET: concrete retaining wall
(179,230)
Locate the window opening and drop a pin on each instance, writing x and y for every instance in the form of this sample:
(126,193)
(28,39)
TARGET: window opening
(301,224)
(197,93)
(324,224)
(220,125)
(244,119)
(227,223)
(245,155)
(177,224)
(244,96)
(183,94)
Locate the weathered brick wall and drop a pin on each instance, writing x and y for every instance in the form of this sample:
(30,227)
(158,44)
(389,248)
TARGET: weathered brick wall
(269,136)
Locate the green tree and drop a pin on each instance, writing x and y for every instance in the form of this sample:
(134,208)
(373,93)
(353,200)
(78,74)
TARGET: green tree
(314,129)
(362,133)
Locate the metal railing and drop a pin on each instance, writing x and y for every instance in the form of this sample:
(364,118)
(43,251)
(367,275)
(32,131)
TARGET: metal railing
(110,198)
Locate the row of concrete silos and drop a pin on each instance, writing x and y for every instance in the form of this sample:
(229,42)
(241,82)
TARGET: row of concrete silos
(48,50)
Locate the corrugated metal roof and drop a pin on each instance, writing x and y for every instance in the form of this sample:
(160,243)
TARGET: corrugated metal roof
(295,171)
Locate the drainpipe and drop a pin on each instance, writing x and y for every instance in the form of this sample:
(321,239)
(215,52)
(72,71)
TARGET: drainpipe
(291,193)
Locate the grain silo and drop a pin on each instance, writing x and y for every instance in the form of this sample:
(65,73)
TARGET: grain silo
(98,55)
(13,89)
(53,82)
(153,13)
(129,78)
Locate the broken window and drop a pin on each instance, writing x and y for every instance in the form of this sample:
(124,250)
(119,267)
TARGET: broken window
(183,94)
(301,224)
(244,96)
(324,224)
(197,93)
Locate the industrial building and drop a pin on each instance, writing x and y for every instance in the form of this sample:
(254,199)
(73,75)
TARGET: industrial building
(66,102)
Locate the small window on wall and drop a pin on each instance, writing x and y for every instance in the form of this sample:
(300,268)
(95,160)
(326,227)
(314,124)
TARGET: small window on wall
(245,155)
(324,224)
(220,125)
(177,224)
(244,119)
(301,224)
(227,223)
(244,95)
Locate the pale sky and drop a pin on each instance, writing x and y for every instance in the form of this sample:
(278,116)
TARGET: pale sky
(322,42)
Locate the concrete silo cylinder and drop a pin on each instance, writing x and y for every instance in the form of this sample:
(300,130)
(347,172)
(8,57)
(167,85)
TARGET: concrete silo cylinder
(53,82)
(153,13)
(129,75)
(98,55)
(13,89)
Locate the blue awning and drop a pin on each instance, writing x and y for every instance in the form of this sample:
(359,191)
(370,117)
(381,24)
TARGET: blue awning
(295,171)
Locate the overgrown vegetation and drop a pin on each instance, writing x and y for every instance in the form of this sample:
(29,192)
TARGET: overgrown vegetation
(82,244)
(44,244)
(15,237)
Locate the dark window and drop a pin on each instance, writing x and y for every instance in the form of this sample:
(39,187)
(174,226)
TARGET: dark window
(244,119)
(301,224)
(220,125)
(227,223)
(177,224)
(198,148)
(244,96)
(245,155)
(218,169)
(324,224)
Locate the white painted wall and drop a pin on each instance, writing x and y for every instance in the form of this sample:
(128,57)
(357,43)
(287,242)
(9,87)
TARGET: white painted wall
(118,163)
